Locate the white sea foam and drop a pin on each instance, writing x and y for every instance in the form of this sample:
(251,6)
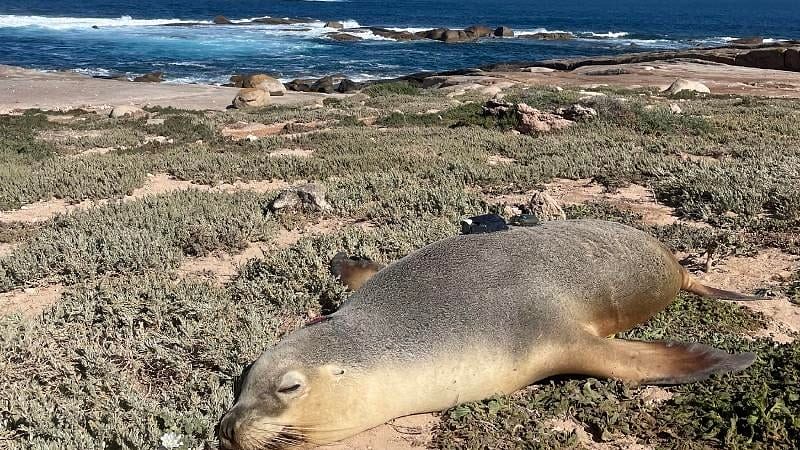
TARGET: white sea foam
(608,35)
(65,23)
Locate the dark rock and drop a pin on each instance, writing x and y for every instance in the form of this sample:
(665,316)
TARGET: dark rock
(285,21)
(343,37)
(222,20)
(455,36)
(768,58)
(300,85)
(748,41)
(348,85)
(95,27)
(554,36)
(609,71)
(577,113)
(336,25)
(478,31)
(504,32)
(396,35)
(497,108)
(152,77)
(324,85)
(437,34)
(791,59)
(310,195)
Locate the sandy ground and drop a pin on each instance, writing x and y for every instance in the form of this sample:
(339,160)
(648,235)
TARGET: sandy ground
(25,89)
(720,78)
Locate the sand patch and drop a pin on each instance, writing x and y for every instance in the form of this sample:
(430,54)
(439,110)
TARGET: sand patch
(155,185)
(29,302)
(65,135)
(92,151)
(404,433)
(497,160)
(241,130)
(292,153)
(634,198)
(569,425)
(219,266)
(6,248)
(767,270)
(287,238)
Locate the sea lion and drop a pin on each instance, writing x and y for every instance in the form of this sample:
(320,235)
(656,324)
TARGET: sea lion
(469,317)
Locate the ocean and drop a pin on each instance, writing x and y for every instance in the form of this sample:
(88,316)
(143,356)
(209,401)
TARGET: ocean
(133,37)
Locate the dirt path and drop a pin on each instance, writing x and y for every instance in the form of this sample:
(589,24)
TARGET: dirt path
(155,185)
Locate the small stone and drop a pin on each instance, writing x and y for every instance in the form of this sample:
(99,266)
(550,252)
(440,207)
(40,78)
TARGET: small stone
(577,112)
(675,108)
(155,122)
(681,85)
(127,112)
(545,207)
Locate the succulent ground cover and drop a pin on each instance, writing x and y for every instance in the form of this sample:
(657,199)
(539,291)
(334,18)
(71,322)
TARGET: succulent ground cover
(132,350)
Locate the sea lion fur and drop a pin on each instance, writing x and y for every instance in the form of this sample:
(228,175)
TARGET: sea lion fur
(469,317)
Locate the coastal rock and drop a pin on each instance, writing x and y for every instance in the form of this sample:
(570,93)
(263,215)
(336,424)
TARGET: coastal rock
(478,31)
(250,98)
(347,85)
(437,34)
(533,121)
(343,37)
(549,36)
(127,112)
(768,58)
(681,85)
(334,24)
(222,20)
(577,112)
(152,77)
(300,85)
(392,34)
(284,21)
(791,59)
(608,72)
(264,82)
(324,85)
(503,32)
(748,41)
(497,108)
(456,36)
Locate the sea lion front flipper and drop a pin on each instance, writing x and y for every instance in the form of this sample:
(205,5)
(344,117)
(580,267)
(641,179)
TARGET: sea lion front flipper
(657,362)
(352,271)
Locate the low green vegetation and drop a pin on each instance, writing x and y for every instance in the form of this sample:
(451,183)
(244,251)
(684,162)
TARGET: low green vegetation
(133,350)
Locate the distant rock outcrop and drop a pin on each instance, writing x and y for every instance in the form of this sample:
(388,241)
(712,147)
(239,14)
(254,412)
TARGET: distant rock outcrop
(748,41)
(344,37)
(152,77)
(478,31)
(549,36)
(681,85)
(503,32)
(334,24)
(222,20)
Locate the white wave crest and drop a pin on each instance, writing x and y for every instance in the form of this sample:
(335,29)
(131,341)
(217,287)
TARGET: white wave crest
(66,23)
(608,35)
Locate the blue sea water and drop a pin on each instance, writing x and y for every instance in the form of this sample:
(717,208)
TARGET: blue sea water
(132,36)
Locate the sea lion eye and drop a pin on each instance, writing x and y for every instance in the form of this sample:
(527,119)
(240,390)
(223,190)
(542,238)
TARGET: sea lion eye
(289,389)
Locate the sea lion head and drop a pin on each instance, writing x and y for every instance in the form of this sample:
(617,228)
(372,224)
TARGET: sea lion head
(288,399)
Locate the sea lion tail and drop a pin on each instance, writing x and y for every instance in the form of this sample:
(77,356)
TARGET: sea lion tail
(690,284)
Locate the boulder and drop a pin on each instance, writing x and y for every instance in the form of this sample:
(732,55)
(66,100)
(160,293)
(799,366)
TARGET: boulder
(478,31)
(577,112)
(324,85)
(347,85)
(437,34)
(768,58)
(545,207)
(343,37)
(675,109)
(533,121)
(310,195)
(264,82)
(503,32)
(334,24)
(152,77)
(284,21)
(550,36)
(748,41)
(681,85)
(222,20)
(791,59)
(392,34)
(128,112)
(250,98)
(300,85)
(455,36)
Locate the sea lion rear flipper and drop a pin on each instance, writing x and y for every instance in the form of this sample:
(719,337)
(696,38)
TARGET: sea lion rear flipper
(353,272)
(657,362)
(690,284)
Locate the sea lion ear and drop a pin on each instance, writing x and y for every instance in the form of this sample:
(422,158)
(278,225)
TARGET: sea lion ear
(292,385)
